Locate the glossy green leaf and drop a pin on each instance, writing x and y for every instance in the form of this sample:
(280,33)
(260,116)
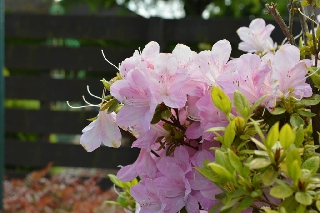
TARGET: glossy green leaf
(115,180)
(299,137)
(220,170)
(278,111)
(229,135)
(318,205)
(303,198)
(294,170)
(259,144)
(269,177)
(289,203)
(245,203)
(235,161)
(221,100)
(257,103)
(241,104)
(286,136)
(312,164)
(273,135)
(230,203)
(106,84)
(92,119)
(281,191)
(223,160)
(259,163)
(113,105)
(296,120)
(306,113)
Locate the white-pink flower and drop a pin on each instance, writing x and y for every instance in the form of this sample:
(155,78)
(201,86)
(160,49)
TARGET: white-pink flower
(256,38)
(102,130)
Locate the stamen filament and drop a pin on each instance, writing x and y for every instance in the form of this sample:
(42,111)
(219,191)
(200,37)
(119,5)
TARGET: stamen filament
(109,61)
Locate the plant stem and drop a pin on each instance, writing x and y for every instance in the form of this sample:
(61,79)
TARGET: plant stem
(291,15)
(272,10)
(303,22)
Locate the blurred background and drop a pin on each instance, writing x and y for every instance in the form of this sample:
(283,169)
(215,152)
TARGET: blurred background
(53,51)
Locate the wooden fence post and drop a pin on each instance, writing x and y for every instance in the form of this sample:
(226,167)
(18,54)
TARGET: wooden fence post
(1,103)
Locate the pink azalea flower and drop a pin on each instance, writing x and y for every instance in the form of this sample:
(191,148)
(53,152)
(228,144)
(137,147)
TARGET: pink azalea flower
(256,38)
(250,76)
(149,196)
(168,81)
(288,73)
(213,63)
(210,116)
(144,167)
(139,103)
(102,130)
(147,139)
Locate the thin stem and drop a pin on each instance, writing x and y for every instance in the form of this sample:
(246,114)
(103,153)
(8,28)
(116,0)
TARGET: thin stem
(303,22)
(291,15)
(314,39)
(272,10)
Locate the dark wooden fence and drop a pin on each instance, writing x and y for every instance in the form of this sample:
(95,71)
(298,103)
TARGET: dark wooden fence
(30,63)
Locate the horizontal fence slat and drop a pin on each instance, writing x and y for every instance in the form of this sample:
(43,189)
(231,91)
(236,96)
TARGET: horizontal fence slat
(46,122)
(47,89)
(81,27)
(37,154)
(46,58)
(130,28)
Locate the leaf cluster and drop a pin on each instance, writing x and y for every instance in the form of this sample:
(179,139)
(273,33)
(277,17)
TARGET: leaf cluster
(257,163)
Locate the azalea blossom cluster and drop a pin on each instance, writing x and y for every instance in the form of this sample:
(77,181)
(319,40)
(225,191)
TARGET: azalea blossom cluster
(165,102)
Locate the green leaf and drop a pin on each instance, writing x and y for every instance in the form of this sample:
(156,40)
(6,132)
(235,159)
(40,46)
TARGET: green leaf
(312,164)
(296,120)
(223,160)
(259,144)
(113,105)
(216,129)
(286,136)
(215,207)
(281,191)
(229,135)
(92,119)
(318,205)
(235,162)
(316,79)
(257,103)
(303,198)
(269,177)
(245,203)
(259,163)
(268,210)
(290,204)
(115,180)
(241,104)
(230,203)
(221,100)
(273,135)
(299,137)
(301,209)
(106,84)
(278,111)
(256,193)
(294,170)
(220,170)
(306,113)
(166,114)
